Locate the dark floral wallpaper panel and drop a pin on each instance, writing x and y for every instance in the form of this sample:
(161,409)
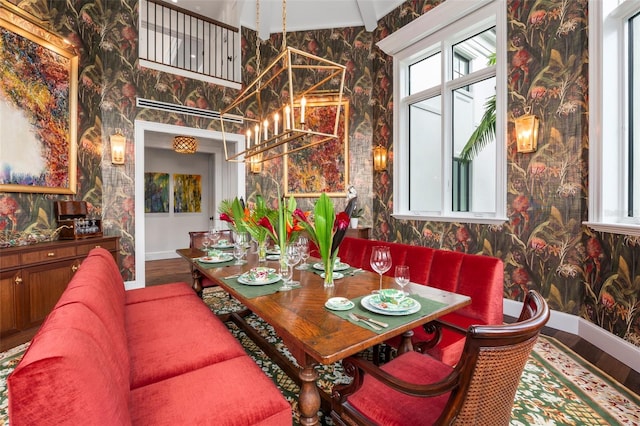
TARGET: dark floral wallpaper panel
(543,244)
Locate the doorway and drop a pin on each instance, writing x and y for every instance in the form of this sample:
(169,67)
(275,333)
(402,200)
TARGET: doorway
(227,178)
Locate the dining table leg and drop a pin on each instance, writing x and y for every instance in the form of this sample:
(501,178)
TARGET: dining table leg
(309,399)
(405,343)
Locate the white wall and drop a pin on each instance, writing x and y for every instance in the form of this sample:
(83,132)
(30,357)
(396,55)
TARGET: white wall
(166,232)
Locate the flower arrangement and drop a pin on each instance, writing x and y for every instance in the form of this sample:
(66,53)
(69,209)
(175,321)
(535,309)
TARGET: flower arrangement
(283,226)
(233,212)
(326,229)
(252,220)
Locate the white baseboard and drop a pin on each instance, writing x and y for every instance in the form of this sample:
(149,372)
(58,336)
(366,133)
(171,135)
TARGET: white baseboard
(618,348)
(161,255)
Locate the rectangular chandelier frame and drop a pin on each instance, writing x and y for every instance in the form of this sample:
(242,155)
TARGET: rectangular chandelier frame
(259,100)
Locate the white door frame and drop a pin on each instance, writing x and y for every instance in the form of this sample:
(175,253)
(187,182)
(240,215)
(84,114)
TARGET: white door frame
(229,177)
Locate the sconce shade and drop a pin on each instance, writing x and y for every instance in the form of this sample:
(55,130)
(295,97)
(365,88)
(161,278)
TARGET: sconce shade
(185,144)
(527,133)
(379,158)
(118,147)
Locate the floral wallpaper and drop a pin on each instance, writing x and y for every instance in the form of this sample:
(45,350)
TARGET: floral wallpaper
(543,244)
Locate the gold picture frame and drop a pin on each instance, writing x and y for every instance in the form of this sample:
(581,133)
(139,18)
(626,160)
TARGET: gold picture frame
(323,167)
(38,100)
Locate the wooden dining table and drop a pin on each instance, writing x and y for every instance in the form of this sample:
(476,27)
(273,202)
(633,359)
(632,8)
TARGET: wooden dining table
(313,333)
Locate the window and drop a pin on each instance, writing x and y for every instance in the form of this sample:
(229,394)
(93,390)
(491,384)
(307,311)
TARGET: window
(614,119)
(444,75)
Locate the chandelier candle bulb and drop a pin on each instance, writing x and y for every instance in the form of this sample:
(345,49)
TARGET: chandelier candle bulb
(287,116)
(248,138)
(257,129)
(303,104)
(276,118)
(266,130)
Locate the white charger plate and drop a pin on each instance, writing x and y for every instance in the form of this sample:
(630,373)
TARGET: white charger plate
(367,304)
(336,275)
(225,257)
(242,279)
(338,267)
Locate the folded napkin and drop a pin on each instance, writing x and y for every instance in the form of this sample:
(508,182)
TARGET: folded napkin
(427,306)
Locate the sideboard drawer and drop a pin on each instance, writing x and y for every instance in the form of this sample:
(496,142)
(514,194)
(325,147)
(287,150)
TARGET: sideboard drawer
(8,261)
(52,253)
(85,247)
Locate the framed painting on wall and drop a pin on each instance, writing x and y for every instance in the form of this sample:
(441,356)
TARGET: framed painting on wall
(187,193)
(323,167)
(156,192)
(38,108)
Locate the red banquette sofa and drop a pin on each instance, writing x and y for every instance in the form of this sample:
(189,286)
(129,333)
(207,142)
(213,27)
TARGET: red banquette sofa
(480,277)
(151,356)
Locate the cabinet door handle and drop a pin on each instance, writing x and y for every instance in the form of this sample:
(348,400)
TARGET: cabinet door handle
(18,280)
(74,268)
(51,254)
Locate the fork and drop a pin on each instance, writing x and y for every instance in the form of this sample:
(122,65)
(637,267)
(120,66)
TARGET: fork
(356,319)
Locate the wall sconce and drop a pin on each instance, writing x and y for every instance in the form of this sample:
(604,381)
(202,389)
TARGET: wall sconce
(379,158)
(527,132)
(118,146)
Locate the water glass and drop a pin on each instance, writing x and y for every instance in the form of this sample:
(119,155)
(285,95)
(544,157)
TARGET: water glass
(402,276)
(303,248)
(293,257)
(239,250)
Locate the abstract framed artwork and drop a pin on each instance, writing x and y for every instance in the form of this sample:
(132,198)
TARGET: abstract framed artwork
(187,193)
(156,192)
(38,108)
(323,167)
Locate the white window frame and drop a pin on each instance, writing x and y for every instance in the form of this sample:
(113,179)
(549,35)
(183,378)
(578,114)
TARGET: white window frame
(404,45)
(608,117)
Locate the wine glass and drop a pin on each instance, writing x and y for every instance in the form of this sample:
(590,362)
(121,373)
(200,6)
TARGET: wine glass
(303,248)
(381,260)
(402,276)
(293,257)
(285,272)
(205,243)
(214,236)
(239,250)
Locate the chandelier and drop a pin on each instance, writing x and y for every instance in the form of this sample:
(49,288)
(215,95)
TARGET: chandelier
(185,144)
(281,108)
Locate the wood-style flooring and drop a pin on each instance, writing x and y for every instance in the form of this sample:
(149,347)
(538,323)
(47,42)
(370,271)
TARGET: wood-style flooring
(172,270)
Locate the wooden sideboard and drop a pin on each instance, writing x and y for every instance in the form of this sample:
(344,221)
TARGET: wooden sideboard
(359,232)
(33,277)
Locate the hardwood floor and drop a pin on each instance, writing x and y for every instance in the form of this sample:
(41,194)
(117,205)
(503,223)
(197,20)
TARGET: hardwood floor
(172,270)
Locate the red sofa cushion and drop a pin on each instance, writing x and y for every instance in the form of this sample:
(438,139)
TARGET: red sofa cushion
(70,372)
(157,292)
(239,382)
(166,339)
(388,407)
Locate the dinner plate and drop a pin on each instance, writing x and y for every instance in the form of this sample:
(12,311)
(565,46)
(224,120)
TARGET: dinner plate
(273,251)
(273,257)
(339,304)
(224,257)
(222,246)
(338,267)
(368,303)
(273,278)
(336,275)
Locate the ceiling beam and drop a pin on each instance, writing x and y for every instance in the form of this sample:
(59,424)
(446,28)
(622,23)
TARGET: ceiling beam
(368,14)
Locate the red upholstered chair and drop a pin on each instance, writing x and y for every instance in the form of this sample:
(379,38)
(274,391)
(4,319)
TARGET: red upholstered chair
(417,389)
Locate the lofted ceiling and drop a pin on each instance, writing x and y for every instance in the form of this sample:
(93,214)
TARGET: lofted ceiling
(300,14)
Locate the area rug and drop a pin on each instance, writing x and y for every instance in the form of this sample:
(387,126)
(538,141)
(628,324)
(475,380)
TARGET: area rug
(557,387)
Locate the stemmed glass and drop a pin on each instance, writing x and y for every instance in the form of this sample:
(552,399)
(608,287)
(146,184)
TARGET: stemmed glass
(214,236)
(402,276)
(292,258)
(205,243)
(239,250)
(381,260)
(303,249)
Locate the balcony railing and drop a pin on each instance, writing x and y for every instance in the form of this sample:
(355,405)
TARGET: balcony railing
(191,44)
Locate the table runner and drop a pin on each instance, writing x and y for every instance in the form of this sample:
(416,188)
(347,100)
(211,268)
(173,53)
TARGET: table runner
(428,306)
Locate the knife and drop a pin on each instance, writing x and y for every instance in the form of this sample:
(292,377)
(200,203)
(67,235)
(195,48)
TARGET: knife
(363,318)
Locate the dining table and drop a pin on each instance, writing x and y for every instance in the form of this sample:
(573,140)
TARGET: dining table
(314,330)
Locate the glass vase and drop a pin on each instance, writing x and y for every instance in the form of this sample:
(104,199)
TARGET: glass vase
(328,264)
(262,251)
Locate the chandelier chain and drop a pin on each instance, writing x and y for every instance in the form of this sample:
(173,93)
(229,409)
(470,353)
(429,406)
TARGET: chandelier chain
(284,25)
(257,37)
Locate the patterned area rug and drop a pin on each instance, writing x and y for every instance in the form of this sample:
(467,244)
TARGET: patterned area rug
(557,387)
